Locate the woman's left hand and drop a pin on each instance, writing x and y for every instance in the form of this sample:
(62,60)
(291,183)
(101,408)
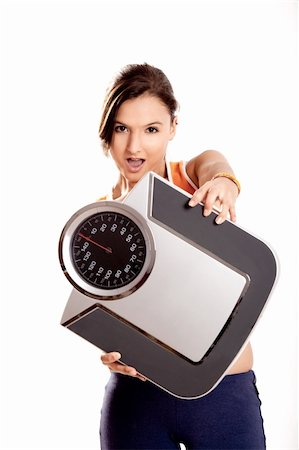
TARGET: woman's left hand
(221,194)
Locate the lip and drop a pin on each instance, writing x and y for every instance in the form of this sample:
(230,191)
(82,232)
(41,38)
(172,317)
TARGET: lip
(135,164)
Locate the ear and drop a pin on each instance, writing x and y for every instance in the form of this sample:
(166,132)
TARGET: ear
(173,126)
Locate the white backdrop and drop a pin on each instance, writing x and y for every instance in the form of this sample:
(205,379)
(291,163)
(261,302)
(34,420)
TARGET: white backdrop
(234,69)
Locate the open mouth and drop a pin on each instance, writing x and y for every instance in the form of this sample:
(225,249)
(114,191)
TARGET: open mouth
(135,163)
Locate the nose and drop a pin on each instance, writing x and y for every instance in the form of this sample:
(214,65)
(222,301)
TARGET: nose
(134,143)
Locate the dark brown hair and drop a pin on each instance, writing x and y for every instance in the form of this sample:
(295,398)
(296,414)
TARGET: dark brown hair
(133,81)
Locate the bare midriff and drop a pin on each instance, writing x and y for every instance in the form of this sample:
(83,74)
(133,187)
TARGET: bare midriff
(243,363)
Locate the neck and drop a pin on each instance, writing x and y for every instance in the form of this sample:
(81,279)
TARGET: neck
(123,187)
(120,189)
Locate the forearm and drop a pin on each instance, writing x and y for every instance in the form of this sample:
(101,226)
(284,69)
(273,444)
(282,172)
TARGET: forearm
(203,167)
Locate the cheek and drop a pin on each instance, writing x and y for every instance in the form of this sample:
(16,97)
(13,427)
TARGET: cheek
(159,143)
(158,152)
(117,143)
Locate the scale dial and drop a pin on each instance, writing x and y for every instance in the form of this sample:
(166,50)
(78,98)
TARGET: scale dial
(106,250)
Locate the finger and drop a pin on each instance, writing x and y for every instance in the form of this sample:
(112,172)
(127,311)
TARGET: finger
(141,377)
(122,368)
(232,213)
(199,195)
(111,357)
(209,202)
(108,359)
(127,370)
(223,214)
(217,205)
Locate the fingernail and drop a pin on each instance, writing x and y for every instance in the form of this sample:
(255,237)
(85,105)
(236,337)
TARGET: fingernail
(219,220)
(191,203)
(206,212)
(117,355)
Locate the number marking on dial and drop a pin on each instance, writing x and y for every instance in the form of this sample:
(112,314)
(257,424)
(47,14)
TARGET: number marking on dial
(109,250)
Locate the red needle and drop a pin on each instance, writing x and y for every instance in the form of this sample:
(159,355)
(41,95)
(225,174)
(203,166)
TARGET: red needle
(95,243)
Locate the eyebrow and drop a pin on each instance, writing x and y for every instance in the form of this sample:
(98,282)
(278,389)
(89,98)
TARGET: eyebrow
(147,125)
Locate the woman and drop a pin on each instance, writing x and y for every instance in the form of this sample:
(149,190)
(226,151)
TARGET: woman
(138,120)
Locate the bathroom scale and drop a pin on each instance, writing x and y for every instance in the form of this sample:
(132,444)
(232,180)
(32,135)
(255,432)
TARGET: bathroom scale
(154,279)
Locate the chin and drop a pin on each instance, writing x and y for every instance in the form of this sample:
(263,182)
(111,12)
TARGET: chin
(135,177)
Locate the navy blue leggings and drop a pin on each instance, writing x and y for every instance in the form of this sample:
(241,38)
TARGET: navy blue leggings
(139,415)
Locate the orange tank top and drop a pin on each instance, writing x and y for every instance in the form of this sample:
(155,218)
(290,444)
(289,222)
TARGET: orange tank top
(180,178)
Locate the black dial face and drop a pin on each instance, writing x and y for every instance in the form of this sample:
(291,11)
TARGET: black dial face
(108,250)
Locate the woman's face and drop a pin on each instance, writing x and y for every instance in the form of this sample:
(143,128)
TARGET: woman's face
(142,129)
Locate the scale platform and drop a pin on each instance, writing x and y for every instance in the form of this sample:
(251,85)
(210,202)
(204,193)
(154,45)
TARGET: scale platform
(194,291)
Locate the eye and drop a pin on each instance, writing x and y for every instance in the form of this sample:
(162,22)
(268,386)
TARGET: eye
(152,130)
(120,129)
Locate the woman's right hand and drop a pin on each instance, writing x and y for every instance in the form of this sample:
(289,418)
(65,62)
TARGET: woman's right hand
(111,361)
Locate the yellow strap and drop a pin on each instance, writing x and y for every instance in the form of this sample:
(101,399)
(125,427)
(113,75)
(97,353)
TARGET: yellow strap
(230,177)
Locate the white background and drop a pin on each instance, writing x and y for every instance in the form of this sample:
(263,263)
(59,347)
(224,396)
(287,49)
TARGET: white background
(234,69)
